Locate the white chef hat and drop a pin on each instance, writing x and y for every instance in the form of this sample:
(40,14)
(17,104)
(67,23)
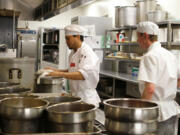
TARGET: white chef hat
(75,30)
(148,27)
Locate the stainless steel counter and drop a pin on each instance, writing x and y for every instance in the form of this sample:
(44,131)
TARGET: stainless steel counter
(120,76)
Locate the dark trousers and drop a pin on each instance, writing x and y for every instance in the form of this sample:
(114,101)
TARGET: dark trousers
(168,127)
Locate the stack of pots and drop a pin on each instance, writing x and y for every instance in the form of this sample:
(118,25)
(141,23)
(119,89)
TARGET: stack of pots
(21,114)
(156,16)
(71,118)
(125,16)
(143,7)
(131,116)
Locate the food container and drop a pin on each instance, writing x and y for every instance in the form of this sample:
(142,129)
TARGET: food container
(127,16)
(131,109)
(49,84)
(21,115)
(156,16)
(131,116)
(71,117)
(131,128)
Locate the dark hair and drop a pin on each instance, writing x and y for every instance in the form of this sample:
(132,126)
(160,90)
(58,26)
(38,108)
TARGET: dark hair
(81,37)
(152,38)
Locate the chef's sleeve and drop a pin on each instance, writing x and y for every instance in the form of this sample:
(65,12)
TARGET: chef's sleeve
(89,68)
(148,69)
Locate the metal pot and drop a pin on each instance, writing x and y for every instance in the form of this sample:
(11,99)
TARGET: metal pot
(156,16)
(176,35)
(21,115)
(49,84)
(3,96)
(143,7)
(10,90)
(62,99)
(18,70)
(133,128)
(71,117)
(133,110)
(127,16)
(117,11)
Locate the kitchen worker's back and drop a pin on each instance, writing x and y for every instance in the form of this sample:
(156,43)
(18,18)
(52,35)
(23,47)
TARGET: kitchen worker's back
(159,66)
(87,63)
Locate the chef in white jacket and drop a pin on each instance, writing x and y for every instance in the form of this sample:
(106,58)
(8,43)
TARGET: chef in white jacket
(83,71)
(158,77)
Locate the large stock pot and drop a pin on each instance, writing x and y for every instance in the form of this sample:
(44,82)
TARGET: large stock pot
(131,116)
(127,16)
(21,115)
(143,7)
(71,117)
(18,70)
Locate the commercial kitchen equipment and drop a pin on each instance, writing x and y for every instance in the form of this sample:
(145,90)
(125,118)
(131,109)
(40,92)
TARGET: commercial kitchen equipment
(27,43)
(125,16)
(71,117)
(131,116)
(100,23)
(21,115)
(52,50)
(156,16)
(143,7)
(18,70)
(49,84)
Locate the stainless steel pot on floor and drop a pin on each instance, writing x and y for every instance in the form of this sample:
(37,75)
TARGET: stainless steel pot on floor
(131,116)
(21,115)
(71,117)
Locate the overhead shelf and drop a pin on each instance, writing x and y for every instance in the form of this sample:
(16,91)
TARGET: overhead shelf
(122,43)
(120,76)
(122,59)
(123,28)
(70,6)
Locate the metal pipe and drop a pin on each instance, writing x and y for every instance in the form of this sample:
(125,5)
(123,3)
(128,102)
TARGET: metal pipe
(13,28)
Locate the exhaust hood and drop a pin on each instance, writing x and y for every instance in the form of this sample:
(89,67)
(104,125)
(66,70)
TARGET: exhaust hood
(25,7)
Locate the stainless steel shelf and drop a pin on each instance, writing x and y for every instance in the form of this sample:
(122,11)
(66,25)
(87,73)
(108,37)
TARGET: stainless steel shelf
(121,59)
(123,43)
(168,22)
(120,76)
(123,28)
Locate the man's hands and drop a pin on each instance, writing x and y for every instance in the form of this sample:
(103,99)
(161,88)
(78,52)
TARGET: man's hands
(56,74)
(50,68)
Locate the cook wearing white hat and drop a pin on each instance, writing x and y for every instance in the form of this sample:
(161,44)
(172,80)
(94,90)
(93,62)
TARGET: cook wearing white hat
(83,70)
(75,30)
(158,77)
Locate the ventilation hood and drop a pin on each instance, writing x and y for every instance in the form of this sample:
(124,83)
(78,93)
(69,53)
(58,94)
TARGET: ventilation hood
(25,7)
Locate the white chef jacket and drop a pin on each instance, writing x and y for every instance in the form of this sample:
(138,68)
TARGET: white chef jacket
(85,61)
(159,66)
